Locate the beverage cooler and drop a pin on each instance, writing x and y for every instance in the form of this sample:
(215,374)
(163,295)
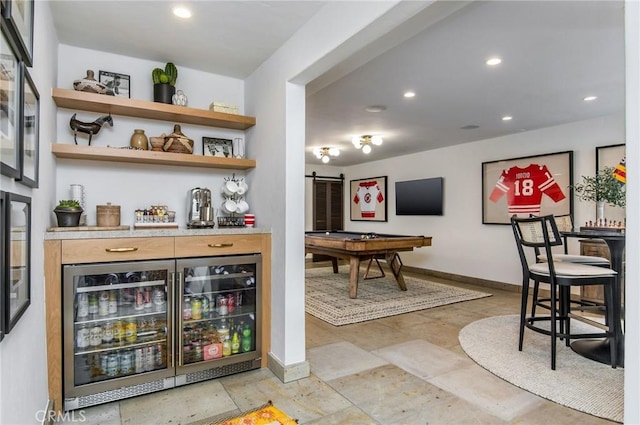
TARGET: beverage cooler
(132,328)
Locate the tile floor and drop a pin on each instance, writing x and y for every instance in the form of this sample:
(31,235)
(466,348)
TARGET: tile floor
(405,370)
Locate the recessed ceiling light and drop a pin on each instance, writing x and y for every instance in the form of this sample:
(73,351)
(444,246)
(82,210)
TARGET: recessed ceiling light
(409,94)
(375,108)
(590,98)
(493,61)
(182,12)
(507,118)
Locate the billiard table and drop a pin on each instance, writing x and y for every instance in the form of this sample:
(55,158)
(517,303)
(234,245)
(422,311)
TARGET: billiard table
(355,247)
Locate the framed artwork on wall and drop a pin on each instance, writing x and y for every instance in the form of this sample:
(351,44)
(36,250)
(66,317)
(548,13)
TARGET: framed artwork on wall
(30,127)
(529,185)
(369,199)
(10,107)
(613,156)
(20,17)
(16,257)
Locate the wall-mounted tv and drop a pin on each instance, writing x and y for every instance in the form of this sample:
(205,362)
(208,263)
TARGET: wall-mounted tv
(420,197)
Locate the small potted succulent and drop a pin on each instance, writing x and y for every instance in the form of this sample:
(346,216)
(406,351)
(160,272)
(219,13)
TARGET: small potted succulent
(68,213)
(164,83)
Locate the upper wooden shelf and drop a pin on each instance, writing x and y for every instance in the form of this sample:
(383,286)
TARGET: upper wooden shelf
(73,99)
(100,153)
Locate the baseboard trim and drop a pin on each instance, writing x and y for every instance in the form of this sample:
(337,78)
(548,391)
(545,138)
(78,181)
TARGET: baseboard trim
(464,279)
(288,373)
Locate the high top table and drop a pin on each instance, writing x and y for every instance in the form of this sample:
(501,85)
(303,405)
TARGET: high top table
(598,349)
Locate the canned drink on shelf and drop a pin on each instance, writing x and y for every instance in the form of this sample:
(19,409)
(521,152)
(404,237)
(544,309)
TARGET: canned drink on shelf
(205,306)
(157,297)
(139,301)
(103,303)
(127,362)
(231,302)
(83,305)
(196,308)
(130,330)
(186,309)
(113,364)
(107,332)
(147,297)
(82,336)
(159,356)
(222,305)
(118,331)
(95,336)
(103,363)
(149,358)
(139,360)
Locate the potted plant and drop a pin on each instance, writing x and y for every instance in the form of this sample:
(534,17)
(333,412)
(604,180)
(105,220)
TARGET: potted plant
(68,213)
(603,188)
(164,82)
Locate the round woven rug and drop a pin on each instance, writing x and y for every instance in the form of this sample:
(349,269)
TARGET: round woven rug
(577,382)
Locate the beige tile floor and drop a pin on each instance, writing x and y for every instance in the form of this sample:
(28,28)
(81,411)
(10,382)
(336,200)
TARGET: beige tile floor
(401,370)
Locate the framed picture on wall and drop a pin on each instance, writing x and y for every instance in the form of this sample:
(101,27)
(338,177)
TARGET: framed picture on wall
(117,84)
(615,157)
(529,185)
(16,257)
(10,107)
(369,199)
(19,17)
(30,125)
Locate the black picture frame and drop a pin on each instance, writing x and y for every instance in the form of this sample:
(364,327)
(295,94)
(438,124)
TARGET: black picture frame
(10,110)
(29,131)
(368,199)
(220,148)
(517,186)
(16,257)
(19,16)
(117,84)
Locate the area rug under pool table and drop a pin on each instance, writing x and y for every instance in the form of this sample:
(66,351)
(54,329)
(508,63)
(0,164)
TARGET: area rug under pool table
(327,296)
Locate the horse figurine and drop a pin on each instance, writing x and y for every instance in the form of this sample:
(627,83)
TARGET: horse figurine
(89,128)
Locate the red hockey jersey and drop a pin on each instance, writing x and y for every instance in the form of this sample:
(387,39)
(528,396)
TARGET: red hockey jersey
(524,188)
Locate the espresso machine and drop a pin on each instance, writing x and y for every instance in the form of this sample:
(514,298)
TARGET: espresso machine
(200,208)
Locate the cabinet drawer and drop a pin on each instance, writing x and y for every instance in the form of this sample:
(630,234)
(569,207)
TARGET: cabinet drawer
(123,249)
(201,246)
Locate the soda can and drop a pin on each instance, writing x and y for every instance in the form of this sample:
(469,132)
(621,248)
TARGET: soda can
(82,337)
(127,362)
(159,356)
(95,336)
(139,360)
(223,305)
(107,332)
(231,303)
(149,359)
(113,364)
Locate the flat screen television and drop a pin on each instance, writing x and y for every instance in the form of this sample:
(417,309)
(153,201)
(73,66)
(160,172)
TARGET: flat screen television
(420,197)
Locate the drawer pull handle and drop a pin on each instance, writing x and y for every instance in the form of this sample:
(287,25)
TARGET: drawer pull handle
(220,245)
(127,249)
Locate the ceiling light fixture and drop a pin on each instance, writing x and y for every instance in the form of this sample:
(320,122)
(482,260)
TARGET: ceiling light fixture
(493,61)
(375,108)
(323,154)
(507,118)
(409,94)
(590,98)
(365,142)
(182,12)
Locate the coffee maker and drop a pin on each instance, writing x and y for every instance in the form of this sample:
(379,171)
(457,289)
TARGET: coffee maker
(200,208)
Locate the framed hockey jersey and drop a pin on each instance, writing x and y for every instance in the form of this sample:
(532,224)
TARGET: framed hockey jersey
(369,199)
(528,185)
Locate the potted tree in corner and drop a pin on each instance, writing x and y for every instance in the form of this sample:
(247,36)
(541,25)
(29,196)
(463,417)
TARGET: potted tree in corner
(603,188)
(68,213)
(164,82)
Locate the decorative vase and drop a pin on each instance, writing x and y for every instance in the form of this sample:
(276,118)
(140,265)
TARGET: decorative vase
(163,92)
(68,217)
(599,211)
(139,140)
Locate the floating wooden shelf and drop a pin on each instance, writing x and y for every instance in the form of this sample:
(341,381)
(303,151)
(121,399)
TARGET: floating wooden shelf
(72,99)
(100,153)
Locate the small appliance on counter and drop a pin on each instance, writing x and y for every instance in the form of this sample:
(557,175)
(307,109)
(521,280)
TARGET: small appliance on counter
(200,208)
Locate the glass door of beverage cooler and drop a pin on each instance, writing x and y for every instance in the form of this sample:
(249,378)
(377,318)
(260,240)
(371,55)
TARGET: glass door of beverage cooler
(117,325)
(218,314)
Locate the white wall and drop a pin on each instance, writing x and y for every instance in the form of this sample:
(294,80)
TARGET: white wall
(461,243)
(134,186)
(23,356)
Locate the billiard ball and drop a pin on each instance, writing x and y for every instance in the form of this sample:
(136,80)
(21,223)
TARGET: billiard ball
(327,233)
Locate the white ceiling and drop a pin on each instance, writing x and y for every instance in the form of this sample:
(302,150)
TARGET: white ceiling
(554,54)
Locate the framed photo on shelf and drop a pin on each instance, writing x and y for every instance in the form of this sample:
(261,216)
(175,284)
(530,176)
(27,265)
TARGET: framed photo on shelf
(369,199)
(117,84)
(16,257)
(10,107)
(30,125)
(222,148)
(527,185)
(19,17)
